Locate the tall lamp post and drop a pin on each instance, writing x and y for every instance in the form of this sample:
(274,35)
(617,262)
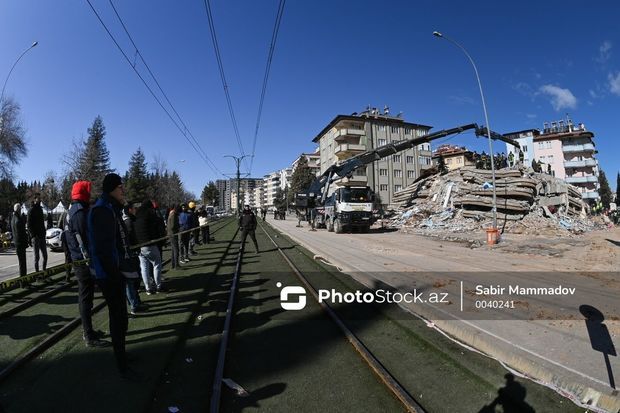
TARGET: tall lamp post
(486,119)
(238,160)
(13,67)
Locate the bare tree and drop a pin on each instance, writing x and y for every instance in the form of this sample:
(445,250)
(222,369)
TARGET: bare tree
(12,137)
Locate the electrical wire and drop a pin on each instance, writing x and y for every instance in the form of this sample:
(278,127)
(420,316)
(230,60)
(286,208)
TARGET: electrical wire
(139,54)
(220,65)
(272,46)
(182,131)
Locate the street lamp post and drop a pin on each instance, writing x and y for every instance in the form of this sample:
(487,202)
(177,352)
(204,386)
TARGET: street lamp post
(238,162)
(13,67)
(486,119)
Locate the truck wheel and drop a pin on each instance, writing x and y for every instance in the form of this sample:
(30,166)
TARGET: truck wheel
(338,226)
(330,225)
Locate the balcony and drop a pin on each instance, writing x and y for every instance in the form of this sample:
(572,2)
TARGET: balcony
(346,150)
(347,134)
(355,180)
(589,195)
(581,179)
(586,147)
(580,164)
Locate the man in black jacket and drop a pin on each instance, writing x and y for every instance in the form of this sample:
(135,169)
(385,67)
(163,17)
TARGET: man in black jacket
(108,244)
(76,237)
(20,237)
(36,227)
(247,224)
(147,228)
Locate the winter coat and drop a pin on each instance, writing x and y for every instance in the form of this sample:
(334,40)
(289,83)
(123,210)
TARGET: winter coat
(36,221)
(173,223)
(18,228)
(107,238)
(247,221)
(147,225)
(185,221)
(77,226)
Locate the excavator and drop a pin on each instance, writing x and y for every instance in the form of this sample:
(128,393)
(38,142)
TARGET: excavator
(350,207)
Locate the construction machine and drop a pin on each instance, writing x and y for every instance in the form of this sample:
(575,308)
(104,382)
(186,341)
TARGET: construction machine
(352,206)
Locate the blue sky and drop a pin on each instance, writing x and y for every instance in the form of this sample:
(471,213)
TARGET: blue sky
(537,61)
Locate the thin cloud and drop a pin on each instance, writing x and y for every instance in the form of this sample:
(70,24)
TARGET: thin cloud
(604,52)
(559,98)
(531,115)
(461,100)
(614,83)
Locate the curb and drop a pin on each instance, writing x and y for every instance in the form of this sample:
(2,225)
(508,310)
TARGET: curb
(540,372)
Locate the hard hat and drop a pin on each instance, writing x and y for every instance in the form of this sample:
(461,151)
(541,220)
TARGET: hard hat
(191,204)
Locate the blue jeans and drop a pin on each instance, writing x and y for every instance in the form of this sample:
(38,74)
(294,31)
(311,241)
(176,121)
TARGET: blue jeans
(132,292)
(150,256)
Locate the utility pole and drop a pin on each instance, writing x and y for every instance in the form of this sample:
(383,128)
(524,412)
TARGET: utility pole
(238,160)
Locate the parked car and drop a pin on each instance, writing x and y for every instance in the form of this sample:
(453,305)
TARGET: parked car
(52,239)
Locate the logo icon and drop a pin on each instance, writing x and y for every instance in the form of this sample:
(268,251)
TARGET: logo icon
(293,290)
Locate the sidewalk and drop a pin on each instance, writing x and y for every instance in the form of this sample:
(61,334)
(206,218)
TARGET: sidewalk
(557,353)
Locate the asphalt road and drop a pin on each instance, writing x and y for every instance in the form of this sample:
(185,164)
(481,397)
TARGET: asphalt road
(9,267)
(545,338)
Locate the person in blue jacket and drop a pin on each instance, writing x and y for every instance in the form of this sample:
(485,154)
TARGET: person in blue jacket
(109,245)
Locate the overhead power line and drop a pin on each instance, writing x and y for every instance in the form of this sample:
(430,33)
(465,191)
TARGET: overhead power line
(220,65)
(183,130)
(272,46)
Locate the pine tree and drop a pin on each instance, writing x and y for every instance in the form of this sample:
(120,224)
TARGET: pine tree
(278,201)
(301,179)
(209,194)
(441,165)
(604,189)
(137,180)
(94,159)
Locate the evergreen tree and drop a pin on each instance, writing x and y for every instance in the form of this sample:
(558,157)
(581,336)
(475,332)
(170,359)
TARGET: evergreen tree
(301,179)
(604,189)
(12,137)
(278,200)
(138,184)
(209,194)
(8,196)
(441,165)
(94,159)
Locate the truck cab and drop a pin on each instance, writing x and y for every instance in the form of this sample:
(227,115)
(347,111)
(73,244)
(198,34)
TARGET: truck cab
(348,207)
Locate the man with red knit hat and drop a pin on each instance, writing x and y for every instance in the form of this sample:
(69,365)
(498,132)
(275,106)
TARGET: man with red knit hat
(77,243)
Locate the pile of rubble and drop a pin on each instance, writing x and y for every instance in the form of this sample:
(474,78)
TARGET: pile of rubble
(461,201)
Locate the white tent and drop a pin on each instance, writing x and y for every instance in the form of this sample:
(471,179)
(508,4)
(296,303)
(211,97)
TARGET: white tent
(60,208)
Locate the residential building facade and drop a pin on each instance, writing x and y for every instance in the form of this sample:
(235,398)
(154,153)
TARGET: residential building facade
(525,139)
(223,194)
(348,135)
(454,156)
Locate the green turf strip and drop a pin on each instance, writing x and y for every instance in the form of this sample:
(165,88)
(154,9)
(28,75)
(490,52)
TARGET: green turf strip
(72,378)
(439,374)
(296,360)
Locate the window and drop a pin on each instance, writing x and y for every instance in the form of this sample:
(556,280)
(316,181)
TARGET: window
(381,142)
(449,161)
(381,126)
(425,160)
(524,148)
(409,159)
(408,130)
(394,129)
(550,159)
(383,172)
(397,188)
(459,160)
(541,145)
(383,187)
(398,173)
(548,144)
(396,158)
(411,174)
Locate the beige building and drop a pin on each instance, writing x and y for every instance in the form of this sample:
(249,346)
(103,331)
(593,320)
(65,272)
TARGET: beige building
(271,182)
(454,156)
(349,135)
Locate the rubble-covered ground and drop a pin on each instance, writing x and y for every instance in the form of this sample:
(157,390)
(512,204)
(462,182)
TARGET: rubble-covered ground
(457,205)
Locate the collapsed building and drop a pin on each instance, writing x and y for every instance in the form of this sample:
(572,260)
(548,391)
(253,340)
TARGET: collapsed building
(462,200)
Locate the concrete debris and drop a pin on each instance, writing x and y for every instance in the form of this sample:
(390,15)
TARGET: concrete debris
(461,201)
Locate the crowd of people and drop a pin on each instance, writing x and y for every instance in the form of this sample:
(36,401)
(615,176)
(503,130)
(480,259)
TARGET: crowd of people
(115,245)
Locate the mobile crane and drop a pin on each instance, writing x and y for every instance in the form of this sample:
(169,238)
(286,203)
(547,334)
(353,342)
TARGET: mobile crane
(351,206)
